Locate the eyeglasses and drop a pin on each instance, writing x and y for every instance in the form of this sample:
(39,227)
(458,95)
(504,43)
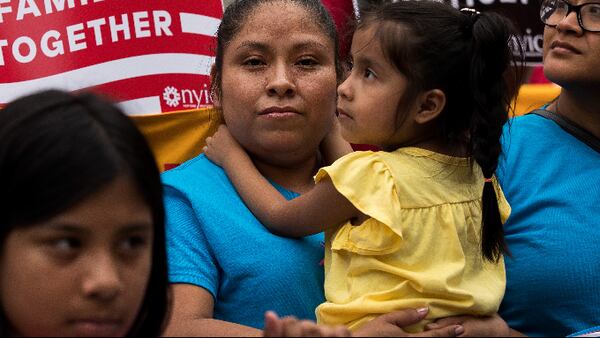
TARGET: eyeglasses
(554,11)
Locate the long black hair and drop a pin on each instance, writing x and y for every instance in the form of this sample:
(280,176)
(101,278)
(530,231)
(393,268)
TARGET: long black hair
(467,55)
(56,149)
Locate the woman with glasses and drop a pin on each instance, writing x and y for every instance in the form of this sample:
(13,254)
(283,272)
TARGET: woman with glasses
(550,174)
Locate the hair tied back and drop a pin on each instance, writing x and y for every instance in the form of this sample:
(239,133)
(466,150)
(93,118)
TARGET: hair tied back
(472,12)
(472,15)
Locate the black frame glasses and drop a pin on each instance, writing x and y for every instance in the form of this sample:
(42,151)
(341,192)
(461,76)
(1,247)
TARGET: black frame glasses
(548,8)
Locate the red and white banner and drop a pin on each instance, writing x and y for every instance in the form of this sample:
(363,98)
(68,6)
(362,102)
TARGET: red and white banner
(152,56)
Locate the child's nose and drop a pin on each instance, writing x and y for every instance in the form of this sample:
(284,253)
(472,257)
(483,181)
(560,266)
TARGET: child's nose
(344,90)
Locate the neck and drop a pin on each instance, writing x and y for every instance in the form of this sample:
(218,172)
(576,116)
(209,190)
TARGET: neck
(297,176)
(581,107)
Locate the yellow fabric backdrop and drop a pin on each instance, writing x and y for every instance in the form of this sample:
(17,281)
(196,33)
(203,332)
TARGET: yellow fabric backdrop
(178,136)
(532,96)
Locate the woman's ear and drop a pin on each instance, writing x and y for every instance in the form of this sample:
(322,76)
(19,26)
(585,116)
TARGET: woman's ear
(213,94)
(431,104)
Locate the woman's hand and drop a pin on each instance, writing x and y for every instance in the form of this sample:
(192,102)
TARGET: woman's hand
(392,324)
(222,148)
(492,326)
(293,327)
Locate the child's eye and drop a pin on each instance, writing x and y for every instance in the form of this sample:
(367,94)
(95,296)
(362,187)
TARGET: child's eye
(369,74)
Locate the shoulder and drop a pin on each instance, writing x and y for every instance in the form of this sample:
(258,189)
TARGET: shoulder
(199,168)
(524,127)
(198,178)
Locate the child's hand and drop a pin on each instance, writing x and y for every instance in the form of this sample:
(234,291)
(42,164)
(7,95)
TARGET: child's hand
(222,148)
(293,327)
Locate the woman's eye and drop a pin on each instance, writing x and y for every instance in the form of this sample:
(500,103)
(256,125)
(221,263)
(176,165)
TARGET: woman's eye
(594,10)
(253,62)
(308,62)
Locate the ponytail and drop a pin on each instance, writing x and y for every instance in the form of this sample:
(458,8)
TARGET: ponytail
(465,54)
(491,55)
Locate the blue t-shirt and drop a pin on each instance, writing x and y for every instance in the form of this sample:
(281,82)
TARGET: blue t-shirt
(215,242)
(552,182)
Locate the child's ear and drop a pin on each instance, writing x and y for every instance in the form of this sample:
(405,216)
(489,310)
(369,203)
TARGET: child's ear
(214,96)
(431,104)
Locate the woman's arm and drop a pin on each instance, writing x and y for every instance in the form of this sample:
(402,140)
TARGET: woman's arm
(192,315)
(320,208)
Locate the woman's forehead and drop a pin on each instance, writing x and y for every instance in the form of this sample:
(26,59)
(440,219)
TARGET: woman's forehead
(274,19)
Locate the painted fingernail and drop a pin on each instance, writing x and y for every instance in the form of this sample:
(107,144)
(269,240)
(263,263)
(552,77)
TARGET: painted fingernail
(422,311)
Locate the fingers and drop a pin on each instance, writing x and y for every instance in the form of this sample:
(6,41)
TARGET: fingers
(456,320)
(405,317)
(448,331)
(293,327)
(273,327)
(340,331)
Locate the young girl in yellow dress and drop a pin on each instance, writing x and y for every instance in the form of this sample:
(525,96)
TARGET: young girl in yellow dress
(418,224)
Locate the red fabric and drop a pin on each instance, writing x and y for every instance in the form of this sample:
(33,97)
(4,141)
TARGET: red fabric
(342,12)
(537,76)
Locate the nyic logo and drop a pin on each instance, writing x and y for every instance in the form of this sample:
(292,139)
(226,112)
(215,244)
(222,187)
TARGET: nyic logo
(171,96)
(187,98)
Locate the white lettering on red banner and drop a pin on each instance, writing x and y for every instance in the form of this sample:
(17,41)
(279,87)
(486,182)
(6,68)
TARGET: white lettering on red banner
(152,56)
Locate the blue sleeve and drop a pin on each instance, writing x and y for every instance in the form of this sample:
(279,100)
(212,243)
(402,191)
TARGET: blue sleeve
(189,253)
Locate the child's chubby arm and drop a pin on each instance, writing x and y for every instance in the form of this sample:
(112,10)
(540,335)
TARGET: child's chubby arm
(320,208)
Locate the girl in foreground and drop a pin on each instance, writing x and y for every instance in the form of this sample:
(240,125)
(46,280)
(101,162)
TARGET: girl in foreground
(82,247)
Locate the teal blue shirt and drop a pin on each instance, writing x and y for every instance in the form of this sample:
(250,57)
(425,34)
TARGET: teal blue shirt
(552,182)
(215,242)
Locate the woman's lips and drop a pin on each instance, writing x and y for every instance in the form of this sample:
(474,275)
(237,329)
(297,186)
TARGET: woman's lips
(279,112)
(564,47)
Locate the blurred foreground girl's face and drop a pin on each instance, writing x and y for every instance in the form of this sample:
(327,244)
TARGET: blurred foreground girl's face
(82,273)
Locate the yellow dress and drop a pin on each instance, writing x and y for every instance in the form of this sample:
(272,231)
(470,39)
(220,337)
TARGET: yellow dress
(421,246)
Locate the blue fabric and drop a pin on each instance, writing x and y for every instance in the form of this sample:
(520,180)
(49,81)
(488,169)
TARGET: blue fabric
(552,182)
(591,332)
(215,242)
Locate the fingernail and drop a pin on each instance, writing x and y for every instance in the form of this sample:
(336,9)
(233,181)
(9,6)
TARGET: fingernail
(422,311)
(459,330)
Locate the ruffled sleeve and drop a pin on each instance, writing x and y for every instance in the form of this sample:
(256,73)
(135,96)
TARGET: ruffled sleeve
(366,181)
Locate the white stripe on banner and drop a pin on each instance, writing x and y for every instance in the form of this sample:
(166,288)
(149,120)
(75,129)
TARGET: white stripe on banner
(145,105)
(199,24)
(127,68)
